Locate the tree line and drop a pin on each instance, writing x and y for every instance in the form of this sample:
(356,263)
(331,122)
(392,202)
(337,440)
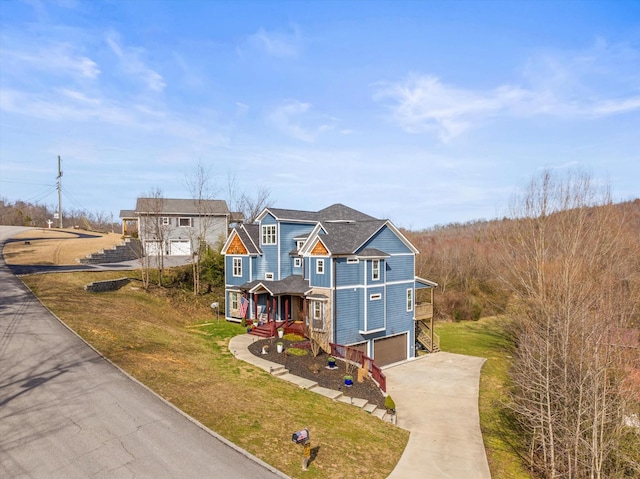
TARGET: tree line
(565,266)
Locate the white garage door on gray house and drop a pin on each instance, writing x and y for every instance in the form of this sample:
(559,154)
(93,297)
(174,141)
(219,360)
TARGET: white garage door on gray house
(173,226)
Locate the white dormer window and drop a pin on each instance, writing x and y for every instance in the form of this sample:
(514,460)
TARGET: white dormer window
(269,234)
(299,244)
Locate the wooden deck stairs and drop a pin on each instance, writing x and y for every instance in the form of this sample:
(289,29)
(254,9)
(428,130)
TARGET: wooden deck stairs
(423,336)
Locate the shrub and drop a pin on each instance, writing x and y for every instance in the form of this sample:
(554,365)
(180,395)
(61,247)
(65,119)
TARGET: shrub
(389,404)
(297,352)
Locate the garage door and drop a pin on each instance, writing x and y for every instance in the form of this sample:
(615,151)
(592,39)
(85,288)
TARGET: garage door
(390,350)
(180,248)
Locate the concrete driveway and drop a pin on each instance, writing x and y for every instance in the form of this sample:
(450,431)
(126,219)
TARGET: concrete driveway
(436,398)
(65,412)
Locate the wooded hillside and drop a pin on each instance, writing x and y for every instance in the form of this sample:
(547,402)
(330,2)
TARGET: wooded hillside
(461,258)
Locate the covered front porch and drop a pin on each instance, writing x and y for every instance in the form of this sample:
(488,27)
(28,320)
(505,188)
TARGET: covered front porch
(270,305)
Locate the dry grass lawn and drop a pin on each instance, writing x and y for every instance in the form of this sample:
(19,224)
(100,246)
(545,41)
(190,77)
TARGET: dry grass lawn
(56,247)
(169,341)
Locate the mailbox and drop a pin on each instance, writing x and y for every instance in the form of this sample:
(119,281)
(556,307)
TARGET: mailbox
(300,437)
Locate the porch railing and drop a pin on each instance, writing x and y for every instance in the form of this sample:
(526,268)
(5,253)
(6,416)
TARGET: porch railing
(355,355)
(424,311)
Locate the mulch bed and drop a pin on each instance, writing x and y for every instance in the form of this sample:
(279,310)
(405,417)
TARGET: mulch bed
(315,369)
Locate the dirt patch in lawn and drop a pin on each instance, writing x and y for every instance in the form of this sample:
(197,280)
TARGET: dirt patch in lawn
(315,369)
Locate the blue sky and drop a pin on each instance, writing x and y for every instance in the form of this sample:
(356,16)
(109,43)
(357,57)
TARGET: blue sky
(423,112)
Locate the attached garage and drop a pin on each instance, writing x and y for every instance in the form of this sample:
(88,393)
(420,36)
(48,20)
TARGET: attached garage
(180,248)
(390,350)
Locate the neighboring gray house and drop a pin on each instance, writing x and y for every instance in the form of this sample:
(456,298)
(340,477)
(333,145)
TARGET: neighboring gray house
(176,226)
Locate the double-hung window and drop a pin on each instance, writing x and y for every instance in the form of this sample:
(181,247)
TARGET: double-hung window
(269,234)
(410,299)
(320,266)
(317,315)
(237,267)
(375,270)
(184,222)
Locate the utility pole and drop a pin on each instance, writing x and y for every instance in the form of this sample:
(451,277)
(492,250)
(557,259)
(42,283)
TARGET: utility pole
(59,192)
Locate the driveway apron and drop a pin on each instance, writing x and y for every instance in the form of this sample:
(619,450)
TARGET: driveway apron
(436,399)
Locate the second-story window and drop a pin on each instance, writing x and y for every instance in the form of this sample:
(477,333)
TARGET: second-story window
(166,221)
(237,267)
(320,266)
(375,269)
(184,222)
(269,234)
(409,299)
(297,262)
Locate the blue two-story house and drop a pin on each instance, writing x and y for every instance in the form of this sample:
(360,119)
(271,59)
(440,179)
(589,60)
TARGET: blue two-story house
(346,275)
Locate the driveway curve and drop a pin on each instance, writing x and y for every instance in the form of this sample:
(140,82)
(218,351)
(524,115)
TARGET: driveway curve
(436,399)
(67,412)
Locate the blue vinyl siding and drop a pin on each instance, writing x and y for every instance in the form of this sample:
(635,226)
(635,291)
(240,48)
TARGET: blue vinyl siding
(348,274)
(286,243)
(398,318)
(386,240)
(232,280)
(400,268)
(375,309)
(269,260)
(349,315)
(320,280)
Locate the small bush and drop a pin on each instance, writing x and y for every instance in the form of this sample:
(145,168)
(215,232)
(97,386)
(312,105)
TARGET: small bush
(293,337)
(297,352)
(389,404)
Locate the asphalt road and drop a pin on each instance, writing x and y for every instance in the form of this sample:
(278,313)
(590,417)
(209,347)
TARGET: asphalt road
(67,412)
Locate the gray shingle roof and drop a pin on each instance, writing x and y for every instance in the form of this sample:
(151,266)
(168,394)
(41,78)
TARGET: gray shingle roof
(347,238)
(336,212)
(174,206)
(293,284)
(250,236)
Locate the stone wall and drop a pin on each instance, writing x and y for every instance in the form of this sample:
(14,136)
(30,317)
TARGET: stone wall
(106,285)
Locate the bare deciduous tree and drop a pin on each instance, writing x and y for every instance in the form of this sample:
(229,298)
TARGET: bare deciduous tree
(154,231)
(569,260)
(201,188)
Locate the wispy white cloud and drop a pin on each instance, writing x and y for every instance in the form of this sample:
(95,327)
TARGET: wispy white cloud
(59,59)
(575,87)
(277,44)
(289,116)
(133,64)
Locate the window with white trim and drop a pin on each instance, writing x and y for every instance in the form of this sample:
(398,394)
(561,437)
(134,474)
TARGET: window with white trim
(375,296)
(166,221)
(237,267)
(297,262)
(317,315)
(410,299)
(320,266)
(375,269)
(353,260)
(184,222)
(269,234)
(234,301)
(299,244)
(268,276)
